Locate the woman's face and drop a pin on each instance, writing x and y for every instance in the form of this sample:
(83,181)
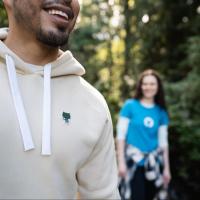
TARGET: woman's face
(149,86)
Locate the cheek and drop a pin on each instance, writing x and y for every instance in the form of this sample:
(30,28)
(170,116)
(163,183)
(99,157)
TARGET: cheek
(25,14)
(29,9)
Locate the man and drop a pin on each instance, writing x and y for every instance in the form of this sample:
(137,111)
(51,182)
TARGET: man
(56,130)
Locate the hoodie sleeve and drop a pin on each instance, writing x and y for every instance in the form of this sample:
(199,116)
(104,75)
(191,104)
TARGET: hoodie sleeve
(98,179)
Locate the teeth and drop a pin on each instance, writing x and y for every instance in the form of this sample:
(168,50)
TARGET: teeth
(58,12)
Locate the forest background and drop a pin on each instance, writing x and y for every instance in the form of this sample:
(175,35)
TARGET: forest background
(117,39)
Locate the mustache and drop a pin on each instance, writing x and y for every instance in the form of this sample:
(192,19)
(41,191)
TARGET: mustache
(63,2)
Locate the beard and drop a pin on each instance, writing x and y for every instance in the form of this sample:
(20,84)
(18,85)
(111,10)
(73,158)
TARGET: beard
(52,39)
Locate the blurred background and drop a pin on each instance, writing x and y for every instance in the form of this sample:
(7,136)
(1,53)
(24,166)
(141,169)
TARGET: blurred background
(117,39)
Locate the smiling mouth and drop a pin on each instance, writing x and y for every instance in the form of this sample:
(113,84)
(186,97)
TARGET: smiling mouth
(59,10)
(59,13)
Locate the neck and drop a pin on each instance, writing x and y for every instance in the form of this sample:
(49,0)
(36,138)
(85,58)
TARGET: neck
(31,50)
(148,101)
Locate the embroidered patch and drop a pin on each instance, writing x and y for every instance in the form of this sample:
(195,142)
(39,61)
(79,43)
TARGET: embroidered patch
(66,117)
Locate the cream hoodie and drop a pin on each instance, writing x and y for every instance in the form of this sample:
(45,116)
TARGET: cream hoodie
(55,132)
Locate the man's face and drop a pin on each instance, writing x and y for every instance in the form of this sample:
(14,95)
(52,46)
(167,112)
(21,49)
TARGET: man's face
(51,21)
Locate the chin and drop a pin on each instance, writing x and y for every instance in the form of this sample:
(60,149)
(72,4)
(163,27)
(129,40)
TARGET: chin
(52,37)
(149,96)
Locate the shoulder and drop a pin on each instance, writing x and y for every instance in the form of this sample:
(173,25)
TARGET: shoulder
(163,115)
(162,110)
(128,107)
(90,90)
(90,94)
(81,88)
(130,103)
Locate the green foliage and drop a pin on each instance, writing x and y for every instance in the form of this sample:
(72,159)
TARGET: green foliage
(3,16)
(184,108)
(193,52)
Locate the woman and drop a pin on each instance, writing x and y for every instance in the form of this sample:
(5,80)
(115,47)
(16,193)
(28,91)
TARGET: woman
(142,141)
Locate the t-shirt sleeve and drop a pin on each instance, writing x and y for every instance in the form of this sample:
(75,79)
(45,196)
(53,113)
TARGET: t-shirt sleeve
(164,120)
(126,110)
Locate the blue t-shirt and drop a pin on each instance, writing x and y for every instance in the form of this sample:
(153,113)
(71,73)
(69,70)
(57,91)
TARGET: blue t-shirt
(144,123)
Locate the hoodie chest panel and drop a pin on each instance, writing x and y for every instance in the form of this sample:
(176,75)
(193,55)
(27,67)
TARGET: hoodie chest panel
(74,139)
(78,137)
(32,173)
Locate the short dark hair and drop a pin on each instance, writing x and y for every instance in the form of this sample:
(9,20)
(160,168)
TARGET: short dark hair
(159,97)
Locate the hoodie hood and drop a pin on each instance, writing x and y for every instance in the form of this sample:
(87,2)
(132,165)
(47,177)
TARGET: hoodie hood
(65,65)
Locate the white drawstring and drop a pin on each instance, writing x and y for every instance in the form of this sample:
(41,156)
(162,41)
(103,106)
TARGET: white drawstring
(19,106)
(46,136)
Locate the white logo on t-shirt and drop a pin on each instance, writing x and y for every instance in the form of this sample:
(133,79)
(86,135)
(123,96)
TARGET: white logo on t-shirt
(148,122)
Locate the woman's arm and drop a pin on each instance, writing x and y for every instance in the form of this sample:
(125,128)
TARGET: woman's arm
(122,127)
(166,170)
(163,144)
(121,158)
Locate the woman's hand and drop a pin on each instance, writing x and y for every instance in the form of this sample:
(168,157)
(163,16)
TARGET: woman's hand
(122,169)
(166,176)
